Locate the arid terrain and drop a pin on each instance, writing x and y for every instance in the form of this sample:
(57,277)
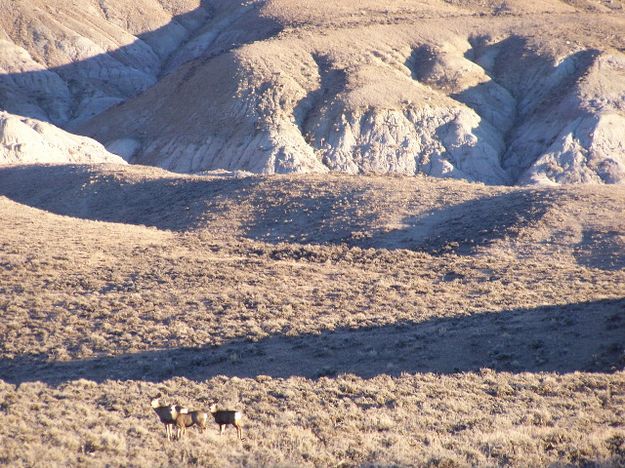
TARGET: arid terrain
(510,92)
(390,233)
(355,320)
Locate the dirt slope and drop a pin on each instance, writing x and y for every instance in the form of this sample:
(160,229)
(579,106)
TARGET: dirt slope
(511,93)
(64,62)
(355,320)
(500,92)
(26,141)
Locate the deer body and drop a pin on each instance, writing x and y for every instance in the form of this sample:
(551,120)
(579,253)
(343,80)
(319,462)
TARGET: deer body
(188,419)
(167,415)
(225,417)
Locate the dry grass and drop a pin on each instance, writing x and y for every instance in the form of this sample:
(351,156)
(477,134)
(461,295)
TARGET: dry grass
(355,321)
(485,418)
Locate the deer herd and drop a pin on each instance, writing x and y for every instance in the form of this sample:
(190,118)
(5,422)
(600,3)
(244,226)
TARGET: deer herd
(177,418)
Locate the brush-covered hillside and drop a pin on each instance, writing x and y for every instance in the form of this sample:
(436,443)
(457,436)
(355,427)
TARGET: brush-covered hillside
(389,233)
(354,320)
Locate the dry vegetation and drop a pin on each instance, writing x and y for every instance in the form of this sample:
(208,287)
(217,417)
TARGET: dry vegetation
(354,320)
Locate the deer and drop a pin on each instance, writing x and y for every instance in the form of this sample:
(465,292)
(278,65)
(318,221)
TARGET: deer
(167,414)
(225,417)
(188,419)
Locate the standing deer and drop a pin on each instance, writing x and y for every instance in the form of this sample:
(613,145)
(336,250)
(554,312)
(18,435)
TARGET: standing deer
(225,417)
(188,419)
(167,414)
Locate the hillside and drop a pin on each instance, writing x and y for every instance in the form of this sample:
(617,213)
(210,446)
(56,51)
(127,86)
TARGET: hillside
(27,141)
(61,63)
(517,94)
(389,233)
(355,320)
(503,93)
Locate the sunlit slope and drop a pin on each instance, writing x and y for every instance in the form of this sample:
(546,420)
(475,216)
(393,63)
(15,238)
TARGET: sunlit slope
(518,94)
(359,320)
(502,93)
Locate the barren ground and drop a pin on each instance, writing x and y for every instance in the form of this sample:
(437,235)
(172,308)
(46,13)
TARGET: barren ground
(503,92)
(354,320)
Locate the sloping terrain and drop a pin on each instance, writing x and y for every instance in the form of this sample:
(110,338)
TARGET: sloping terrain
(507,92)
(516,94)
(76,60)
(61,63)
(24,140)
(354,320)
(64,62)
(364,308)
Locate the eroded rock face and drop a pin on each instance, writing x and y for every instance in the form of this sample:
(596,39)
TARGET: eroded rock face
(590,149)
(483,109)
(65,62)
(442,142)
(24,140)
(583,139)
(476,91)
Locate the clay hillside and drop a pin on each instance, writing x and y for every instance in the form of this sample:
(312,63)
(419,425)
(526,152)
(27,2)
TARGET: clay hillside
(506,92)
(385,233)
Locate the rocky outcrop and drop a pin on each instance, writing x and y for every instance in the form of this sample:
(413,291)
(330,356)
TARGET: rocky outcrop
(65,63)
(483,108)
(486,92)
(590,149)
(582,140)
(24,140)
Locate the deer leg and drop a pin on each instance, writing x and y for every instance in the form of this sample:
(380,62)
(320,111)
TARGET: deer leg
(238,430)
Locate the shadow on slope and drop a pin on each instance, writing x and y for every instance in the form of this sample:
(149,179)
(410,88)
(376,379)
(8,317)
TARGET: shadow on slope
(295,212)
(352,218)
(79,191)
(71,94)
(566,338)
(601,249)
(312,108)
(464,228)
(319,215)
(528,99)
(282,210)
